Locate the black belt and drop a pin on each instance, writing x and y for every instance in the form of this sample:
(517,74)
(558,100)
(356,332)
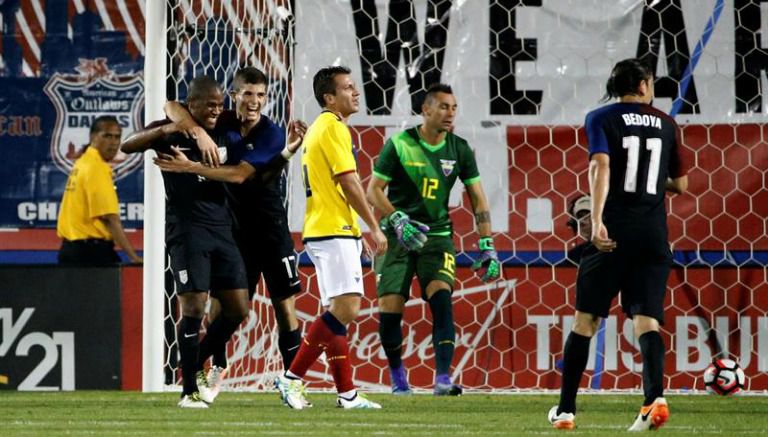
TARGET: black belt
(91,241)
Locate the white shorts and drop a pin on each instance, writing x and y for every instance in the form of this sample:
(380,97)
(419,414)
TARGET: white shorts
(337,262)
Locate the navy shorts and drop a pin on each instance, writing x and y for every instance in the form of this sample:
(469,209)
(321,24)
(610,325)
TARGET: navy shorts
(204,258)
(638,267)
(270,254)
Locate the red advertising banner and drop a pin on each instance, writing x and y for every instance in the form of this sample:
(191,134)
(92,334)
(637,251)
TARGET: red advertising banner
(510,334)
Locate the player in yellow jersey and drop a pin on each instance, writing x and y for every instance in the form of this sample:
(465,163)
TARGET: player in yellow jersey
(332,237)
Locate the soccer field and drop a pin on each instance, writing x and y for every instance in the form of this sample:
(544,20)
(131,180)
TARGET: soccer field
(111,413)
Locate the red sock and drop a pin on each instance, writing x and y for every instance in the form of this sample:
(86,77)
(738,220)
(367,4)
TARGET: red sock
(338,359)
(318,337)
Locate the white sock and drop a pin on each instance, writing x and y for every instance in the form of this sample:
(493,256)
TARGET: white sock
(348,395)
(290,375)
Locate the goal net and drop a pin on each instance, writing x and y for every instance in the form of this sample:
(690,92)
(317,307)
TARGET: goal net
(525,73)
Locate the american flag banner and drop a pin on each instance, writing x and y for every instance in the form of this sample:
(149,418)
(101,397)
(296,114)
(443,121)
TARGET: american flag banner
(34,26)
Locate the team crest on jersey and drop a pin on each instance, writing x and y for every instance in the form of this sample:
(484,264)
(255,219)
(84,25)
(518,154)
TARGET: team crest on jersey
(79,98)
(447,166)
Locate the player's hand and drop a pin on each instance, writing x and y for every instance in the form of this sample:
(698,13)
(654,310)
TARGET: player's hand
(487,266)
(367,251)
(410,233)
(379,242)
(296,131)
(175,162)
(208,149)
(600,238)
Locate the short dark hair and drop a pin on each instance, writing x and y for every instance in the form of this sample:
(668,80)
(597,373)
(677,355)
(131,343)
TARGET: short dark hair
(323,83)
(434,89)
(201,87)
(100,121)
(626,77)
(250,76)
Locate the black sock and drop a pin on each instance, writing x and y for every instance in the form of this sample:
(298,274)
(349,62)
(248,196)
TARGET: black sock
(443,331)
(216,338)
(391,335)
(189,349)
(289,342)
(219,357)
(652,348)
(575,356)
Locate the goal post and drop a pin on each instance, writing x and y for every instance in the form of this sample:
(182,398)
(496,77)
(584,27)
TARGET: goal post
(154,205)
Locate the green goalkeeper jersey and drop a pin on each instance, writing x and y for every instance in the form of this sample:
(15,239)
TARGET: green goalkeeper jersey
(420,175)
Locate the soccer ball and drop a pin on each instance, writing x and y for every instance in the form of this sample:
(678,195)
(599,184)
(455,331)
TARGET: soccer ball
(724,377)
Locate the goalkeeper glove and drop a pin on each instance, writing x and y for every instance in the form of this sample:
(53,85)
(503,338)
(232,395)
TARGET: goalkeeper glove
(410,233)
(488,264)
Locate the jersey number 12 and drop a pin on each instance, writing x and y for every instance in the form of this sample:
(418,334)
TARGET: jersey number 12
(632,144)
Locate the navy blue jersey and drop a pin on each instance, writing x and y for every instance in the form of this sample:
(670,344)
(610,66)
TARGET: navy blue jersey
(256,204)
(189,198)
(643,144)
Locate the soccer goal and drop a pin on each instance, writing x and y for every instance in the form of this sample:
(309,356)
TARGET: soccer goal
(525,73)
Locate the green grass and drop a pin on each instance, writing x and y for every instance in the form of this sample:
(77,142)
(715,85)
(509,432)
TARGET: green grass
(127,413)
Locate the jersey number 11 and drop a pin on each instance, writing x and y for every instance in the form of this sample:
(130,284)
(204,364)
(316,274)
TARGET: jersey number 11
(632,144)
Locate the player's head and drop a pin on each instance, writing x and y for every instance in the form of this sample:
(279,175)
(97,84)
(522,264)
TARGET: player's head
(206,101)
(579,209)
(105,136)
(439,108)
(249,92)
(630,77)
(336,91)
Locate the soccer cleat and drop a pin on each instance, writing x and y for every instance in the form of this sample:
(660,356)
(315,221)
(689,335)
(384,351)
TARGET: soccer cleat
(447,390)
(651,417)
(445,387)
(357,401)
(399,381)
(192,401)
(215,376)
(562,420)
(204,390)
(291,392)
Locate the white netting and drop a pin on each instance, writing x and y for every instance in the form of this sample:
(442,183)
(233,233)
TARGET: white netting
(542,68)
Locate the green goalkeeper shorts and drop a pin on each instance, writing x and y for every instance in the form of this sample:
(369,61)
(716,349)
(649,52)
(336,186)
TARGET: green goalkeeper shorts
(435,261)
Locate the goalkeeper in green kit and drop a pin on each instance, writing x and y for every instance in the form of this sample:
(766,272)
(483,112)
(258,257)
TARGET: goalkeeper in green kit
(419,166)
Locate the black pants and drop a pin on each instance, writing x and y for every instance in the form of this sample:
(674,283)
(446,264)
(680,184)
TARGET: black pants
(91,252)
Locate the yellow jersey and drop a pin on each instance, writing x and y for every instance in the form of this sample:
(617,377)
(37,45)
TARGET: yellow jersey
(327,152)
(90,193)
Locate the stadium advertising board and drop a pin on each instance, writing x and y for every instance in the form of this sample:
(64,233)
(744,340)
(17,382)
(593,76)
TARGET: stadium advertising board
(510,334)
(57,337)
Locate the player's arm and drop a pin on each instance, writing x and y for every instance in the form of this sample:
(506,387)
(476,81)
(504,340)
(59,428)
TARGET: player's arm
(177,162)
(296,131)
(142,140)
(599,180)
(677,182)
(115,228)
(677,185)
(487,265)
(177,113)
(480,207)
(377,197)
(355,195)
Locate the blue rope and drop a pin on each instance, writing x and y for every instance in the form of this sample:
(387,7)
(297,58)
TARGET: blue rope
(697,51)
